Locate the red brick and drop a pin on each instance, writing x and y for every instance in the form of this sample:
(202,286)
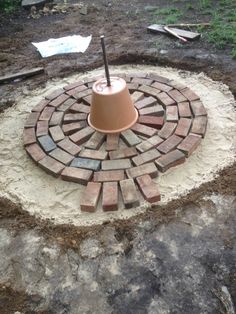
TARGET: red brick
(82,136)
(73,85)
(129,193)
(56,133)
(95,140)
(169,160)
(55,94)
(172,114)
(152,121)
(69,146)
(83,94)
(112,141)
(146,102)
(93,154)
(29,136)
(143,130)
(80,108)
(90,197)
(149,189)
(32,120)
(165,99)
(61,156)
(59,100)
(35,152)
(136,96)
(40,106)
(184,110)
(71,128)
(162,87)
(66,105)
(130,138)
(177,85)
(56,118)
(149,168)
(167,129)
(158,78)
(150,143)
(197,108)
(51,165)
(46,113)
(146,157)
(110,175)
(73,117)
(153,111)
(42,128)
(77,175)
(199,125)
(189,144)
(116,164)
(149,90)
(183,127)
(110,196)
(77,89)
(189,94)
(176,95)
(142,81)
(169,144)
(126,152)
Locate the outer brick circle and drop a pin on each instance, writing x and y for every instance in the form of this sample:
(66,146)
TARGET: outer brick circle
(172,122)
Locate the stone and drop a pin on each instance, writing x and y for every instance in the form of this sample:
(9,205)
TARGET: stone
(93,154)
(32,120)
(184,110)
(165,99)
(46,113)
(169,144)
(77,175)
(90,197)
(56,118)
(146,157)
(172,114)
(95,140)
(152,121)
(116,164)
(61,156)
(183,127)
(73,127)
(129,193)
(35,152)
(149,168)
(47,143)
(86,163)
(130,138)
(189,144)
(197,108)
(110,196)
(69,146)
(126,152)
(56,133)
(167,129)
(42,128)
(112,141)
(82,136)
(146,102)
(176,95)
(51,165)
(149,189)
(199,125)
(29,136)
(109,176)
(143,130)
(170,159)
(162,87)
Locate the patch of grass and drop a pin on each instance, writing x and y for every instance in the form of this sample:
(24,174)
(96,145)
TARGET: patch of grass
(9,6)
(205,4)
(168,15)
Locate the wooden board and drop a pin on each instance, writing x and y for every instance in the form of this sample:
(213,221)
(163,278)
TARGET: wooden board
(22,74)
(186,34)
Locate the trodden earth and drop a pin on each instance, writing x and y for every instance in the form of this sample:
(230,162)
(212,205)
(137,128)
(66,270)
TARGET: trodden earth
(177,256)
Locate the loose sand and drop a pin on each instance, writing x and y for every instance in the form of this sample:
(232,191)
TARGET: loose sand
(46,197)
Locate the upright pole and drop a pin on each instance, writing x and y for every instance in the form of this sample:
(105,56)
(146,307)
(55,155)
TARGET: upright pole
(105,61)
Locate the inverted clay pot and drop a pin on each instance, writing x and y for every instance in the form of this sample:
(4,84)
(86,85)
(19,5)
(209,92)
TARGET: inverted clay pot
(112,110)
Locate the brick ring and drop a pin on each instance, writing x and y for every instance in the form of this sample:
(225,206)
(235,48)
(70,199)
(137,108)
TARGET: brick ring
(172,121)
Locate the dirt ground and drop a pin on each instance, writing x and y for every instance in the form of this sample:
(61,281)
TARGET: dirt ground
(124,25)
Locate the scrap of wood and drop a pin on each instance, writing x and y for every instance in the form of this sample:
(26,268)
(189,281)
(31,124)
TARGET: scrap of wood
(27,73)
(180,32)
(189,25)
(169,30)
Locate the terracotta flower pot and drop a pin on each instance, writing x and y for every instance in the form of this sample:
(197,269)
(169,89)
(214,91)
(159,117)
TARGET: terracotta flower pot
(112,110)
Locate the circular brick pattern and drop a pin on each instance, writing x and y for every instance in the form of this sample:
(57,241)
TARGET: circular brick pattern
(172,121)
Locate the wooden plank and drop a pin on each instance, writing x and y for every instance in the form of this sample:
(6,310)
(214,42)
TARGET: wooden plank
(22,74)
(186,34)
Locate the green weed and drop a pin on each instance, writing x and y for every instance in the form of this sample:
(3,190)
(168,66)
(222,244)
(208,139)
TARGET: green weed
(9,6)
(168,15)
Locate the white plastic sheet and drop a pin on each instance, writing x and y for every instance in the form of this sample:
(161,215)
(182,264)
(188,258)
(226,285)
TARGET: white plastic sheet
(68,44)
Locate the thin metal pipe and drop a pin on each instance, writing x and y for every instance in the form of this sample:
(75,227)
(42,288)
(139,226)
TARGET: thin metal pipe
(105,61)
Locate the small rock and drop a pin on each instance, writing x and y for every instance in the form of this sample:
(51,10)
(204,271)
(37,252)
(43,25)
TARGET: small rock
(90,248)
(29,3)
(84,10)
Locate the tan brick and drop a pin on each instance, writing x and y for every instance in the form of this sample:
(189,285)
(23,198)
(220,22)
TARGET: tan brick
(82,136)
(129,193)
(149,168)
(197,108)
(162,87)
(110,196)
(112,141)
(189,94)
(66,105)
(189,144)
(146,102)
(136,96)
(116,164)
(110,175)
(74,117)
(150,143)
(32,120)
(46,113)
(167,129)
(61,156)
(172,114)
(169,144)
(51,165)
(184,110)
(29,136)
(158,78)
(199,125)
(69,146)
(146,157)
(183,127)
(169,160)
(149,189)
(95,141)
(90,197)
(73,127)
(149,90)
(126,152)
(59,100)
(73,85)
(156,110)
(77,89)
(142,81)
(42,128)
(56,118)
(165,99)
(55,94)
(56,133)
(176,95)
(130,138)
(80,108)
(93,154)
(35,152)
(143,130)
(81,176)
(41,105)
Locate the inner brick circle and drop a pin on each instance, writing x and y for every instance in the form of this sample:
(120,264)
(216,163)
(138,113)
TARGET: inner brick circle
(172,121)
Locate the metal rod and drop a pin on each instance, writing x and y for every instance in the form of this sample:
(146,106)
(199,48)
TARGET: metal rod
(105,61)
